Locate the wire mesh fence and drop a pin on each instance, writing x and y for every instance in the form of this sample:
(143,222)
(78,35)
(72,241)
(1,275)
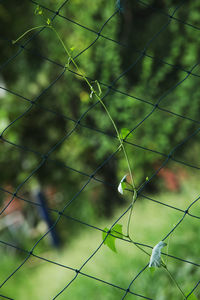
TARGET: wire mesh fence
(38,102)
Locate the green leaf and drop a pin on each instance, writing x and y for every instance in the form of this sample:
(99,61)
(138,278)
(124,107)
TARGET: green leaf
(152,270)
(110,240)
(124,185)
(124,132)
(117,230)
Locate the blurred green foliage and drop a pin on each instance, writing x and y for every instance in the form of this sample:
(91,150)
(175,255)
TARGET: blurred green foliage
(62,97)
(29,75)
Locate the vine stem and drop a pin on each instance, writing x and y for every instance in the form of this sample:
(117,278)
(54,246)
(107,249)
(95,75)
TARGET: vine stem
(29,30)
(112,121)
(125,154)
(118,136)
(139,247)
(175,282)
(103,105)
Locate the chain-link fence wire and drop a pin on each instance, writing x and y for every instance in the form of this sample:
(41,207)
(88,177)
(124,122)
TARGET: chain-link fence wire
(110,88)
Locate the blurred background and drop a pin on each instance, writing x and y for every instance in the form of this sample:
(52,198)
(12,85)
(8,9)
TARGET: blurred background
(148,58)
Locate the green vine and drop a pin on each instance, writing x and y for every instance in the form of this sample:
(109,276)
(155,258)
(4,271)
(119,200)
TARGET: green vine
(96,94)
(109,235)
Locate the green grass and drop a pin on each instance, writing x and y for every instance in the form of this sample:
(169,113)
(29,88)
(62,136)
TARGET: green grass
(151,222)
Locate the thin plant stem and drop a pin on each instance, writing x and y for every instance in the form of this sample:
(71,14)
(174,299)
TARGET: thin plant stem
(29,30)
(131,211)
(112,121)
(175,282)
(70,58)
(139,247)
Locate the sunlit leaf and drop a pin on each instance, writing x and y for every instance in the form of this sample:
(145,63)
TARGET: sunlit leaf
(117,230)
(124,185)
(124,132)
(110,240)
